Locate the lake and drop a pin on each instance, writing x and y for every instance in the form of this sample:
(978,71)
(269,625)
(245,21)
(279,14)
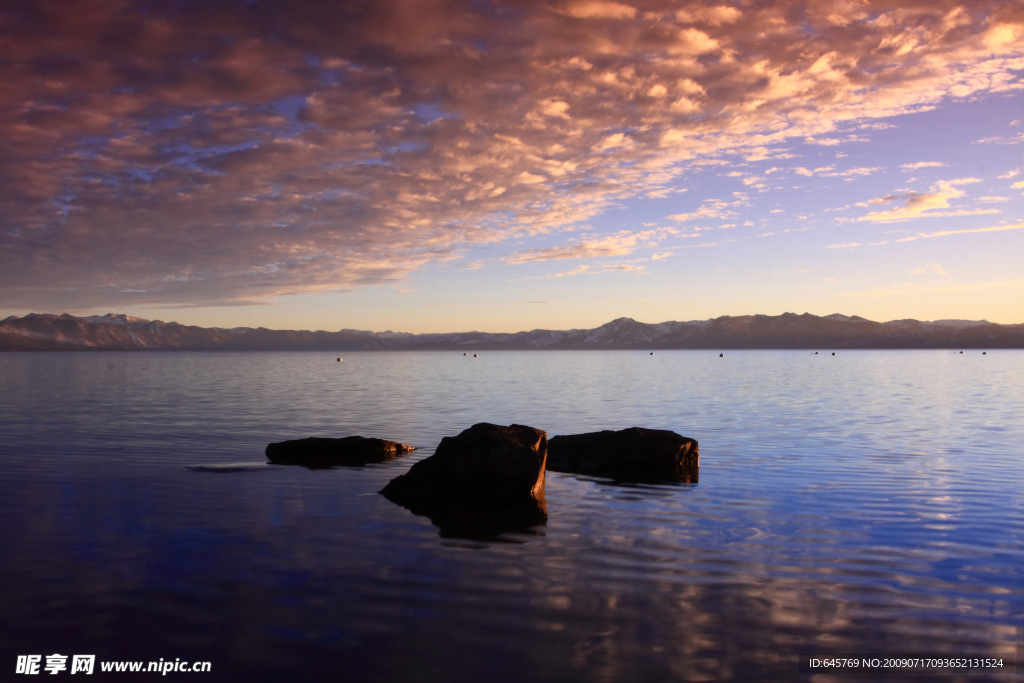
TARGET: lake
(867,502)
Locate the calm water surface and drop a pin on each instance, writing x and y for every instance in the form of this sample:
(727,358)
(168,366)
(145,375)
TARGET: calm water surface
(867,502)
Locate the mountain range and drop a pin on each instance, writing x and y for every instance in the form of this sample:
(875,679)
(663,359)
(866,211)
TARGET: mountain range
(119,332)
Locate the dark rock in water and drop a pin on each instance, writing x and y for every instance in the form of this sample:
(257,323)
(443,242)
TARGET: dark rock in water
(635,454)
(486,463)
(317,452)
(486,481)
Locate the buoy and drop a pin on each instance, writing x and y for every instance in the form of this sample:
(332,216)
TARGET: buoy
(339,360)
(463,354)
(984,353)
(961,352)
(721,355)
(815,353)
(833,353)
(474,355)
(652,353)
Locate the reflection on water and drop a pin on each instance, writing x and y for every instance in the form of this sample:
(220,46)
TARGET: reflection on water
(478,521)
(872,504)
(230,467)
(682,474)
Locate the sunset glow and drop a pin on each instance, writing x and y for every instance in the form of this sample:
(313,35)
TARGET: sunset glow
(437,165)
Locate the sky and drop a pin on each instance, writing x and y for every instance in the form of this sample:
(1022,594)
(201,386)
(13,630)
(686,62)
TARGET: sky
(444,165)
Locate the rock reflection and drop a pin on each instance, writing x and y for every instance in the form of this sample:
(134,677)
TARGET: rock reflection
(683,474)
(230,467)
(479,521)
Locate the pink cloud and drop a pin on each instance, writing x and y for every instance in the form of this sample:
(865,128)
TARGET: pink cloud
(244,152)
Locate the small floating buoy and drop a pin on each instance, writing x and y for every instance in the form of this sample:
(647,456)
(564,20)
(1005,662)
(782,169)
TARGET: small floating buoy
(984,353)
(463,354)
(474,355)
(815,353)
(833,353)
(652,353)
(721,355)
(961,352)
(339,360)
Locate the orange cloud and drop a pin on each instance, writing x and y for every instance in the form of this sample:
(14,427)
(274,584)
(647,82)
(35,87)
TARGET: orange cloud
(926,205)
(233,151)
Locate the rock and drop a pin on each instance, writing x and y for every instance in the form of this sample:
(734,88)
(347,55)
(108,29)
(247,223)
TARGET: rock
(486,481)
(486,463)
(316,452)
(635,454)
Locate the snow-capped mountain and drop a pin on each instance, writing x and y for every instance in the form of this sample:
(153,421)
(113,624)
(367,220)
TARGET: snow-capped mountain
(48,332)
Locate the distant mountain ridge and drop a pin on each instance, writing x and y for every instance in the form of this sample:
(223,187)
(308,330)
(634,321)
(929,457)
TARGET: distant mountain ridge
(119,332)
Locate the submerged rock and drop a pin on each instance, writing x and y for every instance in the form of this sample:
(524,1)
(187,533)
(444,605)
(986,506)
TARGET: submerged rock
(486,481)
(320,452)
(634,454)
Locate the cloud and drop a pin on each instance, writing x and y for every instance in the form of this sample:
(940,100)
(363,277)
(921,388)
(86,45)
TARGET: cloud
(830,172)
(922,164)
(619,244)
(715,15)
(1001,140)
(709,209)
(555,108)
(589,270)
(783,232)
(926,205)
(600,9)
(762,153)
(859,171)
(613,141)
(965,231)
(227,303)
(526,178)
(823,143)
(199,153)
